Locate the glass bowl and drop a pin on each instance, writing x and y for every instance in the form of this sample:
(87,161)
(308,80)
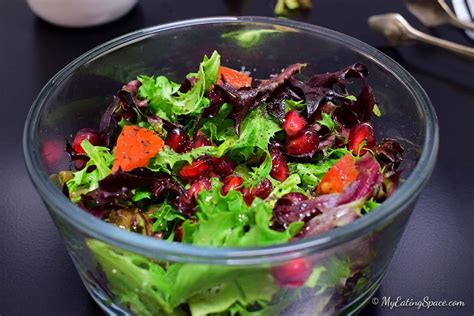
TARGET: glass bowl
(115,265)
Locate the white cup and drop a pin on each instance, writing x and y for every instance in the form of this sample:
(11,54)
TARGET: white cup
(80,13)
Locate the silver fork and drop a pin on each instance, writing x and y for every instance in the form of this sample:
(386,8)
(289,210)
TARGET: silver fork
(437,12)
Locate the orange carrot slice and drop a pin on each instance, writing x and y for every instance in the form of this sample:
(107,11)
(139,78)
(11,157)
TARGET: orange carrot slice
(342,173)
(135,147)
(233,77)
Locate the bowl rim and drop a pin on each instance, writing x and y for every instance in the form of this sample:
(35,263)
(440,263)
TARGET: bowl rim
(60,206)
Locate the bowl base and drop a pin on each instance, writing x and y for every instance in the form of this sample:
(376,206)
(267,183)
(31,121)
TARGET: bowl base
(360,302)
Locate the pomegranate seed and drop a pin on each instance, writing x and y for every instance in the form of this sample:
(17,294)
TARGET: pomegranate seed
(263,190)
(201,140)
(177,139)
(197,186)
(83,134)
(248,196)
(294,123)
(231,182)
(53,151)
(194,170)
(290,199)
(293,273)
(178,232)
(79,164)
(360,133)
(303,145)
(222,166)
(280,169)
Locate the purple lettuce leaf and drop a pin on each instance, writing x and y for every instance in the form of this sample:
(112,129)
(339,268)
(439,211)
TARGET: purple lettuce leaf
(331,210)
(114,191)
(389,153)
(165,186)
(320,86)
(365,103)
(333,217)
(246,99)
(328,80)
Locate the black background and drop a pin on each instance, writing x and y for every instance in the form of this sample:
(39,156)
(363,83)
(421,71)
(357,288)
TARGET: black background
(435,255)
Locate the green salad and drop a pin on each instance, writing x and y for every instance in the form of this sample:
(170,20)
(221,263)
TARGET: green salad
(224,160)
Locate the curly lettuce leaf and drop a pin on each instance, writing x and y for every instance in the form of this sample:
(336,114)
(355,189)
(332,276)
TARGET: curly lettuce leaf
(165,99)
(253,286)
(248,38)
(255,133)
(311,173)
(167,158)
(326,120)
(226,221)
(219,128)
(84,181)
(136,282)
(163,215)
(146,287)
(291,184)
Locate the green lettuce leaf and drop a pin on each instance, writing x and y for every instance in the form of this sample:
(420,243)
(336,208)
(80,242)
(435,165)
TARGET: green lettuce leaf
(167,158)
(147,287)
(291,184)
(248,38)
(253,286)
(136,282)
(226,221)
(311,173)
(294,105)
(219,128)
(165,99)
(163,214)
(369,206)
(255,133)
(326,120)
(84,181)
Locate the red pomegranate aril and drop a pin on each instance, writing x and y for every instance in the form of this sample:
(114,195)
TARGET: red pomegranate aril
(222,166)
(177,139)
(83,134)
(248,196)
(194,170)
(280,170)
(294,123)
(291,198)
(263,190)
(304,145)
(358,134)
(293,273)
(79,164)
(178,232)
(197,186)
(201,140)
(231,182)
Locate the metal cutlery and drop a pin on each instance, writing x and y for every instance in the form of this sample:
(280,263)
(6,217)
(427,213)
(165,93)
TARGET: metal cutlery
(398,31)
(435,12)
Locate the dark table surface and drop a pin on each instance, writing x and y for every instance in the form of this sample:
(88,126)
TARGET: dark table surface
(435,255)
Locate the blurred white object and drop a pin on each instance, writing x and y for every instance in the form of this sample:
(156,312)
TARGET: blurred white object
(80,13)
(465,11)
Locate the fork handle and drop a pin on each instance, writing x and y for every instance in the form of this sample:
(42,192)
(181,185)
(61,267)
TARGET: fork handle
(453,19)
(448,45)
